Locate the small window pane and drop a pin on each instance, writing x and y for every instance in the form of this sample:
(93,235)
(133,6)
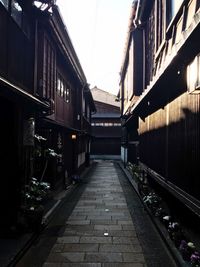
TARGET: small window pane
(61,88)
(58,85)
(16,12)
(192,73)
(175,6)
(68,95)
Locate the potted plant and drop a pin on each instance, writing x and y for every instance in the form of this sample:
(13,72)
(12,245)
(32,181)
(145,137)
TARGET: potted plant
(33,195)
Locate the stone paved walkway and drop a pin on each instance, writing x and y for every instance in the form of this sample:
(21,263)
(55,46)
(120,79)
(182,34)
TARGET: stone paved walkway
(100,231)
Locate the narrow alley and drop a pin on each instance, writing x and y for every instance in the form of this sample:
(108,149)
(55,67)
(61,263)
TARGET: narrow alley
(101,224)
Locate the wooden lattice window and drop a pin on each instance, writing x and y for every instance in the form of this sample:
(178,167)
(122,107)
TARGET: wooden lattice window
(63,88)
(49,70)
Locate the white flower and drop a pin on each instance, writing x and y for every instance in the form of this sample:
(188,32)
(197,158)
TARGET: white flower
(39,137)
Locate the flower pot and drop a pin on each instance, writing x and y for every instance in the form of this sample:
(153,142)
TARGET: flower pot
(34,218)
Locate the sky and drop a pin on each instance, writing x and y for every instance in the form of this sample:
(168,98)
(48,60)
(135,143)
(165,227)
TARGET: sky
(98,30)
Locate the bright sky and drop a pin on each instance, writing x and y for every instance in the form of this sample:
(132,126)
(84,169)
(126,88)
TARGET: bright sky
(98,31)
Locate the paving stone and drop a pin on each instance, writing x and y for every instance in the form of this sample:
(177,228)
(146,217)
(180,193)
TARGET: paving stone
(81,265)
(121,217)
(119,214)
(83,233)
(129,233)
(68,239)
(125,240)
(128,227)
(84,208)
(95,239)
(87,197)
(90,202)
(103,222)
(122,264)
(81,247)
(125,222)
(103,257)
(47,264)
(107,227)
(78,222)
(101,217)
(80,227)
(97,212)
(120,248)
(133,257)
(65,257)
(77,217)
(57,248)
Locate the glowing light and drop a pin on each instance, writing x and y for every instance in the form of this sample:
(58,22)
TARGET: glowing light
(73,136)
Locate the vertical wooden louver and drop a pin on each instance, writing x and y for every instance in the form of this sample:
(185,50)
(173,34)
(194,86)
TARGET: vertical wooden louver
(49,70)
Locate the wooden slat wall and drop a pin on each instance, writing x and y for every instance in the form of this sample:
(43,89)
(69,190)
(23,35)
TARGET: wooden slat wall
(173,151)
(149,47)
(169,133)
(16,52)
(4,39)
(65,110)
(49,70)
(184,142)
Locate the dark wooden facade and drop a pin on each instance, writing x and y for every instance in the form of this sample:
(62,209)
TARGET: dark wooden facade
(164,119)
(106,126)
(18,104)
(43,92)
(61,80)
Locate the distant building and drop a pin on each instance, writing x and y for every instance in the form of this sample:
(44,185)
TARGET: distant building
(106,125)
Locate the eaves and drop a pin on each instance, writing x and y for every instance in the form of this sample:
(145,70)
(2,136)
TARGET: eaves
(62,35)
(174,55)
(24,95)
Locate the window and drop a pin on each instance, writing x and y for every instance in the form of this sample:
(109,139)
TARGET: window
(172,8)
(175,4)
(58,85)
(16,12)
(160,23)
(5,3)
(190,12)
(49,66)
(106,124)
(63,89)
(67,94)
(193,75)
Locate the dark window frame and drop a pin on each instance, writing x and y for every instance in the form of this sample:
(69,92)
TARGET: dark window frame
(63,88)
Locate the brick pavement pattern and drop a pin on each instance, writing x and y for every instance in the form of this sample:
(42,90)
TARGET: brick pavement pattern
(100,231)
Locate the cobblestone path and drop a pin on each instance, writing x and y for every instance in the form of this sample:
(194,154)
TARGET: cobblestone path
(100,231)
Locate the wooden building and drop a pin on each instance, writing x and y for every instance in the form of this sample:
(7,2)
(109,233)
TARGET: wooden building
(161,97)
(61,80)
(106,125)
(45,100)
